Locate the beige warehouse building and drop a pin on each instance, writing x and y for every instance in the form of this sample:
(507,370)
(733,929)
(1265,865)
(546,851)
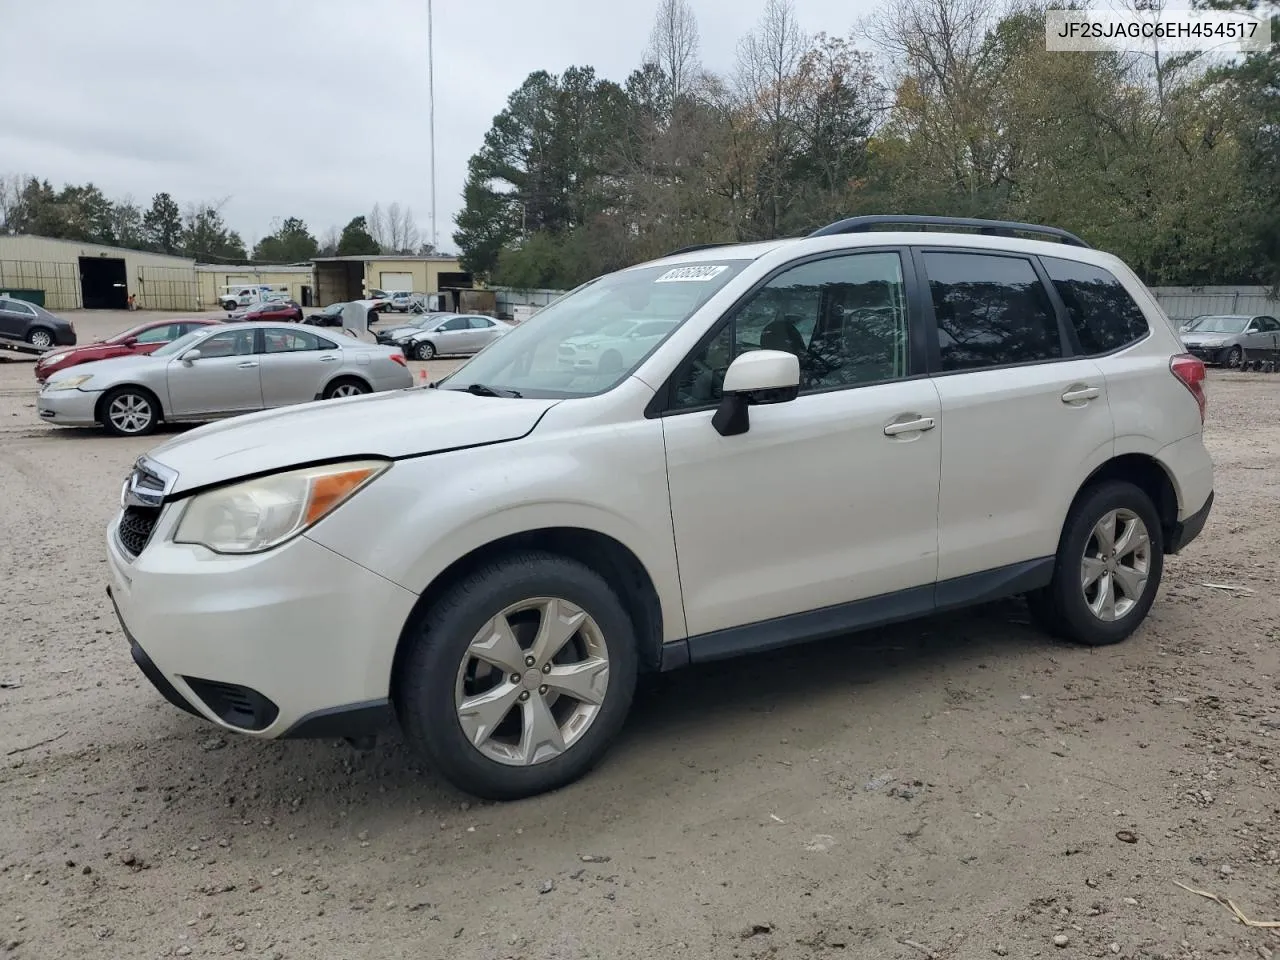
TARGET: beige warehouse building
(71,275)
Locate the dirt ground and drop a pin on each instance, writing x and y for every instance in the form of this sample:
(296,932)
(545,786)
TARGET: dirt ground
(956,788)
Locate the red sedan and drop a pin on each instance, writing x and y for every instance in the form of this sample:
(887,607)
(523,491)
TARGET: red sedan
(144,338)
(277,311)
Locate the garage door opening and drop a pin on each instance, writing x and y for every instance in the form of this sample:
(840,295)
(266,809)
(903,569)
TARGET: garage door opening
(339,281)
(103,283)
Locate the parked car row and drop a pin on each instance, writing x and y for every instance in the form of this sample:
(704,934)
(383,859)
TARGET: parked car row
(214,370)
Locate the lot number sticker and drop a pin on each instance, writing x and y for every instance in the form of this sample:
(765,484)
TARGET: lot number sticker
(698,274)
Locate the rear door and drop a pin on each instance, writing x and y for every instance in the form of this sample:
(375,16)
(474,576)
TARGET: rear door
(224,379)
(295,365)
(483,331)
(1024,419)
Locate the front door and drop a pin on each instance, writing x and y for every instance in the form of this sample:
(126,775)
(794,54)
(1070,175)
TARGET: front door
(224,379)
(826,499)
(1023,421)
(295,366)
(454,336)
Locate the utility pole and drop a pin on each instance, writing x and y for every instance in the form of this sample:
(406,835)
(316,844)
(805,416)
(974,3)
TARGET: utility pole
(431,98)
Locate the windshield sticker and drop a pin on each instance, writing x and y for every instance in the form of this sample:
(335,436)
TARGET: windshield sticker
(697,274)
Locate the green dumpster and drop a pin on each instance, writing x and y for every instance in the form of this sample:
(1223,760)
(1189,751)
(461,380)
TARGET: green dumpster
(31,296)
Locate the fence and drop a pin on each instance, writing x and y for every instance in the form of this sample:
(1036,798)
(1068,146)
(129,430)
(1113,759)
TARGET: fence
(509,298)
(59,281)
(1184,303)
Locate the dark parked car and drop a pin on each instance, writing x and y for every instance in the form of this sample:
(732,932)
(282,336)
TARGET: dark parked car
(20,320)
(330,316)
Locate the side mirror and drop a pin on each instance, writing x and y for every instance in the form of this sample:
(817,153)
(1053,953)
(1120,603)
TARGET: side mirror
(190,356)
(130,342)
(759,377)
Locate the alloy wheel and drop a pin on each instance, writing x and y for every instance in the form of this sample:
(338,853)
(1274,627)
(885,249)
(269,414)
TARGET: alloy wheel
(130,413)
(41,338)
(532,681)
(347,390)
(1116,564)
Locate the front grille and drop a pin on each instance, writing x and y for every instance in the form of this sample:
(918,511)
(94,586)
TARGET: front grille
(239,706)
(134,530)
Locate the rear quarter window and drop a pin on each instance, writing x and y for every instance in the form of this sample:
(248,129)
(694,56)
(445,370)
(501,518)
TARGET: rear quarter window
(1103,314)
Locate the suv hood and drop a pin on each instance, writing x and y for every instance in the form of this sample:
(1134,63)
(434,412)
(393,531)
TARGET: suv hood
(399,423)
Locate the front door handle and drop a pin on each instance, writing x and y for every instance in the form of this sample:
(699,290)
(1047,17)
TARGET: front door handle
(1079,393)
(919,424)
(247,365)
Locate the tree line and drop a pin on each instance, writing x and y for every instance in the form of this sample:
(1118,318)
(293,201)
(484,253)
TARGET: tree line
(949,107)
(83,212)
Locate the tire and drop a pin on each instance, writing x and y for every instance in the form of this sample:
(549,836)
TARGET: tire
(438,670)
(424,350)
(1064,607)
(40,337)
(610,362)
(1235,357)
(130,412)
(372,317)
(345,387)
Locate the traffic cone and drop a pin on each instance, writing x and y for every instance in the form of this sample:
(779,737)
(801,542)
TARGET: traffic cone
(422,376)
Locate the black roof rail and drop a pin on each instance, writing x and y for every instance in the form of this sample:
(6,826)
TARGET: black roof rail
(992,228)
(699,246)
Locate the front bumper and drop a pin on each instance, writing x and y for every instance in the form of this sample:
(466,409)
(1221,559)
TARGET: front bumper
(294,642)
(69,408)
(64,337)
(1214,355)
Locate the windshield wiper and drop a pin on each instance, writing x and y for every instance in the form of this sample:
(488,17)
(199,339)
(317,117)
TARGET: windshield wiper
(483,390)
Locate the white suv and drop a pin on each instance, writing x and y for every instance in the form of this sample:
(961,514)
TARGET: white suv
(839,431)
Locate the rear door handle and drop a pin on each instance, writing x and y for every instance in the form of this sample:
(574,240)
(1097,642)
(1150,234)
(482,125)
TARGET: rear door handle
(1079,393)
(920,424)
(328,359)
(247,365)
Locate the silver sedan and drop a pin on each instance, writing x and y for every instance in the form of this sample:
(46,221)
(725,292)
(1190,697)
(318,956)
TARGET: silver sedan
(1233,340)
(454,334)
(219,371)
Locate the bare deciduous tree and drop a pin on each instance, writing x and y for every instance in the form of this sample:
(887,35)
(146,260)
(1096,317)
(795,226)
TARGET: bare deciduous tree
(673,46)
(377,223)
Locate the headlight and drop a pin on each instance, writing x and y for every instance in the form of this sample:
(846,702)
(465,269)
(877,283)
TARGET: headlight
(71,383)
(260,514)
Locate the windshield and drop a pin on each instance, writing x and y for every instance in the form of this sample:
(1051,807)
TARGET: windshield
(182,344)
(544,357)
(1219,324)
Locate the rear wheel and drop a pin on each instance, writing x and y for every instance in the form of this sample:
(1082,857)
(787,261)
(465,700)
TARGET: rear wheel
(40,337)
(348,387)
(518,680)
(130,412)
(1110,560)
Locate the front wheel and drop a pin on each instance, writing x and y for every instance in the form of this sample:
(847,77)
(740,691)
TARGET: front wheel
(1110,560)
(1235,357)
(518,680)
(130,412)
(424,350)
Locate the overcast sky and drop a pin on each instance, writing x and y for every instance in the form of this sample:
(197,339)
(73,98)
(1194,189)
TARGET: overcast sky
(310,108)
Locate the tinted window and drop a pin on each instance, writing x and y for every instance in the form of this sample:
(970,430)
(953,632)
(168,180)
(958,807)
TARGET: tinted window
(292,341)
(233,343)
(1103,314)
(991,311)
(457,323)
(17,306)
(161,334)
(845,318)
(1268,324)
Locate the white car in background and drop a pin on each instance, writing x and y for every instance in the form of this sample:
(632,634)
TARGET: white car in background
(455,334)
(615,346)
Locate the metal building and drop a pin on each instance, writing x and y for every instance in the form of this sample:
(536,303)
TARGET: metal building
(340,279)
(69,275)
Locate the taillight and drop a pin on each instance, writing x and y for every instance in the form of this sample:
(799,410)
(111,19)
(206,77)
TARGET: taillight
(1190,370)
(399,358)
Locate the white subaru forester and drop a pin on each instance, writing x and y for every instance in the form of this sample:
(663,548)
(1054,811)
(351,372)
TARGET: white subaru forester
(840,431)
